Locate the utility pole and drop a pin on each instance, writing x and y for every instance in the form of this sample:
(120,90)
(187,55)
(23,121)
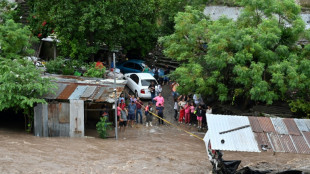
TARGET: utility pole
(115,97)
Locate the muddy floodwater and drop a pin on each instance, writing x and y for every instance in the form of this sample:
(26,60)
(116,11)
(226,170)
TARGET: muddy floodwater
(157,149)
(140,150)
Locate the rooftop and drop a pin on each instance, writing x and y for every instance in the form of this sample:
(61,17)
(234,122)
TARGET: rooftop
(258,134)
(87,89)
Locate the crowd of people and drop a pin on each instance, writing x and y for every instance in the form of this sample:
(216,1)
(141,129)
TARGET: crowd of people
(188,109)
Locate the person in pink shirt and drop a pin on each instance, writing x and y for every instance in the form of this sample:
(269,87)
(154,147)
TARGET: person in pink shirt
(159,100)
(193,115)
(187,113)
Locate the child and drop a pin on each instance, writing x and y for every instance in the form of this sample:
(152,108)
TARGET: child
(148,115)
(187,113)
(176,107)
(199,116)
(160,112)
(123,120)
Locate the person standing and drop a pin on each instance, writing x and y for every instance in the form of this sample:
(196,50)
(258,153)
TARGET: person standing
(148,115)
(182,110)
(121,97)
(199,116)
(131,113)
(146,69)
(187,113)
(159,89)
(119,113)
(166,73)
(176,108)
(139,111)
(192,108)
(152,90)
(122,104)
(208,111)
(160,113)
(123,120)
(159,100)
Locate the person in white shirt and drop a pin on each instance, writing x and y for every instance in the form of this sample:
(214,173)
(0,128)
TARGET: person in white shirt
(158,90)
(208,111)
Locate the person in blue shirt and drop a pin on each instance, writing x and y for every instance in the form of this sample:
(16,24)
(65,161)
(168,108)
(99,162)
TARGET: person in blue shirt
(131,113)
(160,113)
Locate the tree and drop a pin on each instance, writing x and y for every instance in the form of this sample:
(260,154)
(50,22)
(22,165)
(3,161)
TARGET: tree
(21,84)
(168,9)
(84,27)
(254,58)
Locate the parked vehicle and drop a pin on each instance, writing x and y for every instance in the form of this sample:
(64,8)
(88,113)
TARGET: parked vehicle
(139,83)
(131,66)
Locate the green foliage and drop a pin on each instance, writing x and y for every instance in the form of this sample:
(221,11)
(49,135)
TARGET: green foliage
(55,66)
(84,27)
(255,57)
(168,9)
(21,84)
(93,71)
(103,126)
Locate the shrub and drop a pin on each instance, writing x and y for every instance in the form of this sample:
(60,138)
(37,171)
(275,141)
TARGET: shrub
(93,71)
(55,66)
(103,126)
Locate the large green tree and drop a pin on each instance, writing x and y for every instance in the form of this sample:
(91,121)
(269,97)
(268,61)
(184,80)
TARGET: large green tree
(83,27)
(254,58)
(21,84)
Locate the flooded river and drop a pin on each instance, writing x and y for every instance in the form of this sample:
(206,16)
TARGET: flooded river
(157,149)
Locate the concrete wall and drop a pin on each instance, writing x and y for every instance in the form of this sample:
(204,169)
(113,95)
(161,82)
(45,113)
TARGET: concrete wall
(77,118)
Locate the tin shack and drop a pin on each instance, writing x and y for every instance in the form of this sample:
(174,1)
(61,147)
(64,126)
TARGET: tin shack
(74,105)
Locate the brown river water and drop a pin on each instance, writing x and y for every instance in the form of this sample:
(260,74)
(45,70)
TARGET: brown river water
(157,149)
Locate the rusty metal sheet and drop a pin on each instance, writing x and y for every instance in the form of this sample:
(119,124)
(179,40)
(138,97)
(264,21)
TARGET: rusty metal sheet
(88,92)
(307,137)
(279,126)
(77,93)
(64,112)
(287,144)
(275,142)
(65,94)
(58,90)
(255,124)
(262,139)
(301,145)
(291,126)
(266,124)
(301,124)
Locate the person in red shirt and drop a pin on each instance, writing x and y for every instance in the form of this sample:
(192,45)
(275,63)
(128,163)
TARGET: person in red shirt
(122,104)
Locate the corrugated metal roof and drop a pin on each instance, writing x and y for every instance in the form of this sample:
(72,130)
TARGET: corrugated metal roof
(266,124)
(57,91)
(301,124)
(307,122)
(275,134)
(291,126)
(77,93)
(262,140)
(255,124)
(302,146)
(89,89)
(238,140)
(306,136)
(279,126)
(65,94)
